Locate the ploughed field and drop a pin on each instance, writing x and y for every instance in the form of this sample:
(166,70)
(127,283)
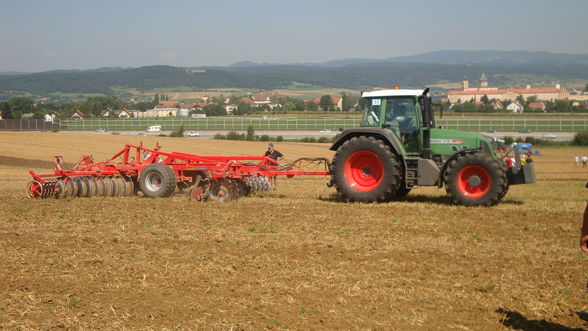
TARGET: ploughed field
(295,258)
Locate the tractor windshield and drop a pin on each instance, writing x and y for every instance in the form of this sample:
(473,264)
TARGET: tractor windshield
(371,113)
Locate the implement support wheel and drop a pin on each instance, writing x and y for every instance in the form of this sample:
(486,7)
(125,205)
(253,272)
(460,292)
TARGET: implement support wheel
(157,180)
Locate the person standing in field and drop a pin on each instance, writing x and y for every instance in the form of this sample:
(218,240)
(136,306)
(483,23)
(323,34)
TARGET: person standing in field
(584,234)
(576,160)
(275,155)
(584,161)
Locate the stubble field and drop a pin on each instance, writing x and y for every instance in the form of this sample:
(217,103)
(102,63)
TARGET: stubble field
(296,258)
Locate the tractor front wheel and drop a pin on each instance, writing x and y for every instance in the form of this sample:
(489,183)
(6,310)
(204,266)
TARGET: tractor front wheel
(475,180)
(157,180)
(364,169)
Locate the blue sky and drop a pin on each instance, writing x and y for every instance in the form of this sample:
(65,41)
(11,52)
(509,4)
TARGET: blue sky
(64,34)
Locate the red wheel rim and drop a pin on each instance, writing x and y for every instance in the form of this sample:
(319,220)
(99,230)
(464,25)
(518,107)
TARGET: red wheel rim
(364,171)
(473,181)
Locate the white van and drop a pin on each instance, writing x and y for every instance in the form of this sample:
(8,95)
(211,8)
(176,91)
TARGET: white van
(154,128)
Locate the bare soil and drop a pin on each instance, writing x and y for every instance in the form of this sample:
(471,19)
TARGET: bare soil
(296,258)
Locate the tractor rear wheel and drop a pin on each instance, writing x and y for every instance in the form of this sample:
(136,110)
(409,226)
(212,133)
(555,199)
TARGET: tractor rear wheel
(157,180)
(364,169)
(475,180)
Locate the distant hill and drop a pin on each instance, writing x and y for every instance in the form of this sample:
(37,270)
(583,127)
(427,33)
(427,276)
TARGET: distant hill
(6,73)
(503,68)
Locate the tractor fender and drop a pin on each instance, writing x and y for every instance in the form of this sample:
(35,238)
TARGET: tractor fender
(451,158)
(385,135)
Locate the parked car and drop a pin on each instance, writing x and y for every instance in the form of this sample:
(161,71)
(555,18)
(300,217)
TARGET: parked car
(490,131)
(100,130)
(525,131)
(193,134)
(326,130)
(549,136)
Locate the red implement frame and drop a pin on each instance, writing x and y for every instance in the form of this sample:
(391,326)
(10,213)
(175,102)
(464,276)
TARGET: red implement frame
(132,160)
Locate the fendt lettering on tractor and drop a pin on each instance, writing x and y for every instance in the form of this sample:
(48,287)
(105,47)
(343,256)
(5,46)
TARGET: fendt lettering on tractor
(398,148)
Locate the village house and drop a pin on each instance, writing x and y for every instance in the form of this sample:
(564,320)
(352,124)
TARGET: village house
(122,113)
(476,93)
(262,99)
(231,109)
(515,107)
(337,102)
(167,104)
(49,117)
(77,115)
(497,104)
(247,100)
(537,105)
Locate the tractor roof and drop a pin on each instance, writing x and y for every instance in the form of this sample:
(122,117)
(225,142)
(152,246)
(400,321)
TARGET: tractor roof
(392,93)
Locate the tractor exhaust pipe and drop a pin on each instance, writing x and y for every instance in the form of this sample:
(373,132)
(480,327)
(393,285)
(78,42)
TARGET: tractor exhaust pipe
(427,123)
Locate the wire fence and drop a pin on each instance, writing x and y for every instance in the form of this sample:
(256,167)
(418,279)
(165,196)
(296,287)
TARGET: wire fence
(287,124)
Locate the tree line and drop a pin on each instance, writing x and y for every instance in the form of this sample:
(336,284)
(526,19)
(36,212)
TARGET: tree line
(16,107)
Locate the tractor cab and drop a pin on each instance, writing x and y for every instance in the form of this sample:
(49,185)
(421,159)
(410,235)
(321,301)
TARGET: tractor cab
(408,115)
(398,111)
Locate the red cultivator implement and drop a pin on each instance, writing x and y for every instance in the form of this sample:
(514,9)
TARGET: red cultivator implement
(157,174)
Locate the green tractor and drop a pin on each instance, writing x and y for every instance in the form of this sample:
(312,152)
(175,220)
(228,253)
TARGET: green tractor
(398,148)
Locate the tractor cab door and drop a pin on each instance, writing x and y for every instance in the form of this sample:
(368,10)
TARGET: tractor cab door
(401,117)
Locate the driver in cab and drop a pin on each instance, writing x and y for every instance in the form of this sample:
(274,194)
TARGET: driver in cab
(399,120)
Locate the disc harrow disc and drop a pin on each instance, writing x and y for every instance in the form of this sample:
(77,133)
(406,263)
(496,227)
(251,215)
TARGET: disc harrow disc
(35,190)
(60,189)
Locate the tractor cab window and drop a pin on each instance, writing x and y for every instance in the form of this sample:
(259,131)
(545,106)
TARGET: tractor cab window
(371,113)
(401,117)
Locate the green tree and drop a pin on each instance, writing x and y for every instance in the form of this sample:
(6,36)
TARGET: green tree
(520,99)
(310,106)
(214,110)
(21,105)
(289,106)
(485,99)
(243,108)
(5,110)
(156,99)
(326,103)
(530,99)
(361,103)
(250,133)
(94,106)
(348,101)
(580,139)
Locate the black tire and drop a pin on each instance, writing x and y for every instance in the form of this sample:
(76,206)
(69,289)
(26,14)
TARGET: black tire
(379,177)
(475,180)
(157,180)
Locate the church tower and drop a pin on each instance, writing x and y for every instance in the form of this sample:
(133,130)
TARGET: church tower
(483,81)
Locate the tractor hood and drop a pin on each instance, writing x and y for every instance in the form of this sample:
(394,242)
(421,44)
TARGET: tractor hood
(448,142)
